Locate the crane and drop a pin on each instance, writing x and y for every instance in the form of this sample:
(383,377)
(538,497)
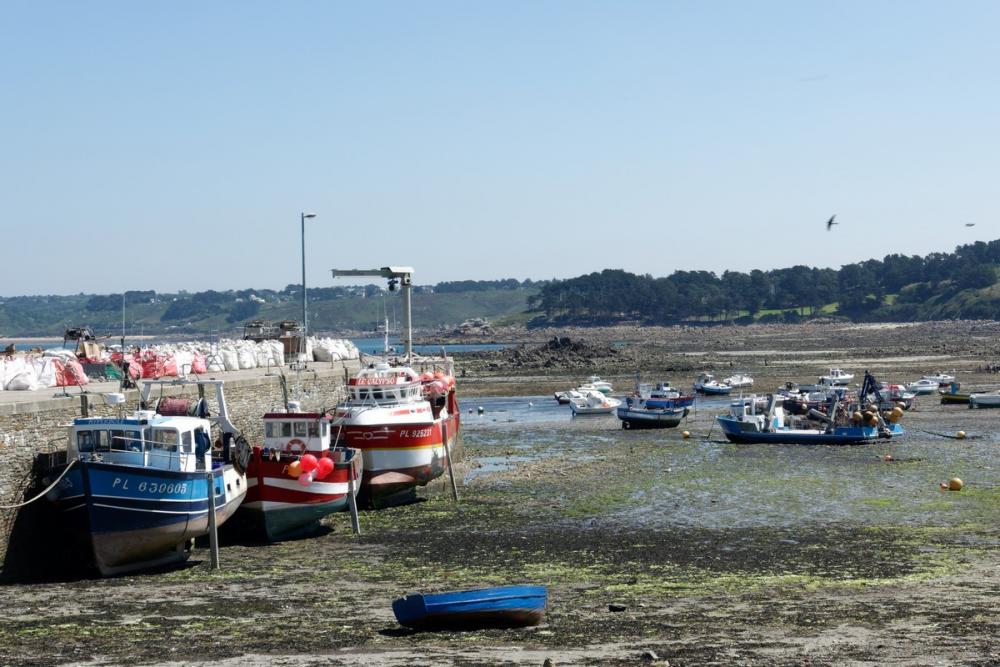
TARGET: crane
(398,276)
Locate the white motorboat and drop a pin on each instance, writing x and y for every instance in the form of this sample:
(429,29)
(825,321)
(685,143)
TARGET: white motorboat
(923,386)
(593,402)
(943,379)
(739,380)
(707,384)
(836,376)
(594,382)
(990,400)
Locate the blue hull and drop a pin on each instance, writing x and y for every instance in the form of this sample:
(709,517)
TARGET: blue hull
(503,606)
(738,432)
(130,518)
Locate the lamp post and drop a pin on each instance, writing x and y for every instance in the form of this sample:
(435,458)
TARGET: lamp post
(305,324)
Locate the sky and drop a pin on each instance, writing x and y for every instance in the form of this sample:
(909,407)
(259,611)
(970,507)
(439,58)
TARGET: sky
(173,145)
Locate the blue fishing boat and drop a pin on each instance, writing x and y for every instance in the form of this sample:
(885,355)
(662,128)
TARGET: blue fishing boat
(502,606)
(135,490)
(861,422)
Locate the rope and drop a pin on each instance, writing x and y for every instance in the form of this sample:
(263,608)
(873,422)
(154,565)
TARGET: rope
(946,435)
(51,486)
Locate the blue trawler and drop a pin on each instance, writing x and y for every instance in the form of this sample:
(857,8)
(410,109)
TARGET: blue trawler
(862,423)
(135,490)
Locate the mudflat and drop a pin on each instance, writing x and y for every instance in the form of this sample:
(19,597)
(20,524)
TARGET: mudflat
(655,547)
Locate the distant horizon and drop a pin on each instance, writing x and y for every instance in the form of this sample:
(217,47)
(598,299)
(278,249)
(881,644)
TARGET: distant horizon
(351,282)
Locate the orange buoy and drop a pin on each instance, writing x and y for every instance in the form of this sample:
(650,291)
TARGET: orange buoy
(955,484)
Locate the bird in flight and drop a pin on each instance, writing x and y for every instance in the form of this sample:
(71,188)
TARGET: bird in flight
(830,223)
(970,224)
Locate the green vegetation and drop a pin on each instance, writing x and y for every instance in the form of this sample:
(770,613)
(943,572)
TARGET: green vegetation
(958,285)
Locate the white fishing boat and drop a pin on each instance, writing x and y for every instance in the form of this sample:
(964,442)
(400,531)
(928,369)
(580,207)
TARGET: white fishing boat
(943,379)
(738,381)
(836,376)
(923,386)
(594,382)
(707,384)
(593,402)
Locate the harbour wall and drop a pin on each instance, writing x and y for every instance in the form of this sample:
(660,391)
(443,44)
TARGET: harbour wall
(37,425)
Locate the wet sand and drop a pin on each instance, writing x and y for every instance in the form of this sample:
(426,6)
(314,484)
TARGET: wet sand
(716,553)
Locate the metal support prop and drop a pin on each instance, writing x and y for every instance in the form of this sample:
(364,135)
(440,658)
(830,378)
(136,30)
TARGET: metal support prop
(213,528)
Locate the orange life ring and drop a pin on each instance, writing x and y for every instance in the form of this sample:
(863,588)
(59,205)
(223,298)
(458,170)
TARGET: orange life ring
(295,446)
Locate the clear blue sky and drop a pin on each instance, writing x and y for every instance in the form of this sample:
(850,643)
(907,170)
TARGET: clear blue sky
(172,145)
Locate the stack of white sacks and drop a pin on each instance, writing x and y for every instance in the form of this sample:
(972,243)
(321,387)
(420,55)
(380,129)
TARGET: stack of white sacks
(31,372)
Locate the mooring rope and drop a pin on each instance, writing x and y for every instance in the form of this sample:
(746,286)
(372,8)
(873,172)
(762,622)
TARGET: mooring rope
(51,486)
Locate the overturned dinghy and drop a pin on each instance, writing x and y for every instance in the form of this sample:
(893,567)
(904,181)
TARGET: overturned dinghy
(498,607)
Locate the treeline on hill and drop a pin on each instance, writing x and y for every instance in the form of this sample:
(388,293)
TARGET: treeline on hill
(895,288)
(354,306)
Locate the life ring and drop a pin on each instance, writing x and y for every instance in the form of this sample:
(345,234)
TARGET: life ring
(295,446)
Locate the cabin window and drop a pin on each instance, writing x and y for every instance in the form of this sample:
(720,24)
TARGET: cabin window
(126,440)
(118,441)
(98,441)
(85,441)
(377,394)
(324,428)
(300,429)
(165,439)
(187,441)
(286,429)
(313,429)
(270,430)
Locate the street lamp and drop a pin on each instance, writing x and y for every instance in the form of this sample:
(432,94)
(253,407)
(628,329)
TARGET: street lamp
(305,324)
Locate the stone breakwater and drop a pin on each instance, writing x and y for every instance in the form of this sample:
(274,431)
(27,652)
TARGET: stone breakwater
(38,424)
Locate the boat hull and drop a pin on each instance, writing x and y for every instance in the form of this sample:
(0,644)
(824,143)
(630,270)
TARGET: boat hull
(277,507)
(747,433)
(130,518)
(400,457)
(984,401)
(504,606)
(639,418)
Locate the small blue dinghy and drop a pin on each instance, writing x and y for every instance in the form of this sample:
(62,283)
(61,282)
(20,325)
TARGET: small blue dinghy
(499,607)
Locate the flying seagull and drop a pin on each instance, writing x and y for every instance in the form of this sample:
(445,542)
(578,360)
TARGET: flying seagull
(970,224)
(830,223)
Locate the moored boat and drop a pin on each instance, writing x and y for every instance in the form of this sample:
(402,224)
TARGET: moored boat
(404,422)
(136,489)
(985,400)
(923,386)
(738,381)
(502,606)
(637,412)
(943,379)
(295,479)
(745,424)
(707,384)
(836,376)
(593,402)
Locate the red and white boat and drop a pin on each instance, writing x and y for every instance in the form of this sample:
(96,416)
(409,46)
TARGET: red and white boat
(405,423)
(295,479)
